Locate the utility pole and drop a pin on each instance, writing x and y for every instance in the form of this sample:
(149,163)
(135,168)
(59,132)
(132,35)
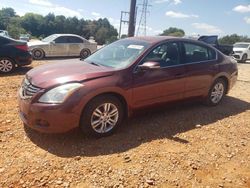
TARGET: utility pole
(131,26)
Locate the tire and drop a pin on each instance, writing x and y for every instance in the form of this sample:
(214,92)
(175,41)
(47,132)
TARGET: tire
(216,92)
(38,54)
(7,65)
(244,58)
(85,53)
(102,116)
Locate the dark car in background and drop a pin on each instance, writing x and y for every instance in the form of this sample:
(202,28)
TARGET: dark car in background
(213,40)
(13,53)
(97,93)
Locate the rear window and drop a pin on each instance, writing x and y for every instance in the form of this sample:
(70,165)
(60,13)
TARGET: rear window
(197,53)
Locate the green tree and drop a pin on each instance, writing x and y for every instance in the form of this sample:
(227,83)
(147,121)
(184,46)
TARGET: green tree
(232,39)
(41,26)
(173,31)
(34,23)
(14,27)
(5,15)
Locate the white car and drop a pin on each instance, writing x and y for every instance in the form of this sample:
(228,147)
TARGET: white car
(241,51)
(62,45)
(4,33)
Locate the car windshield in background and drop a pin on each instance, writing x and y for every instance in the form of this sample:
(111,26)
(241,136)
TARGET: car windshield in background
(241,45)
(49,38)
(119,54)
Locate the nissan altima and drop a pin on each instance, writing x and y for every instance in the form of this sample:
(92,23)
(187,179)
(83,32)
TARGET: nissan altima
(98,93)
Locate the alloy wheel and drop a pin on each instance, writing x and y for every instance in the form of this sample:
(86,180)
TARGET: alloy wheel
(217,92)
(37,54)
(104,118)
(6,65)
(84,54)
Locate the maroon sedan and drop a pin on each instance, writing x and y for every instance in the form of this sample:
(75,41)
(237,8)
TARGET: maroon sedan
(98,93)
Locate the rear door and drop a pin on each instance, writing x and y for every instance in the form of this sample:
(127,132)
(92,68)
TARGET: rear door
(75,45)
(160,85)
(202,66)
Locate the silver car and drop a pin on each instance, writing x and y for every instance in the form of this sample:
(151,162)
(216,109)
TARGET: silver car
(62,45)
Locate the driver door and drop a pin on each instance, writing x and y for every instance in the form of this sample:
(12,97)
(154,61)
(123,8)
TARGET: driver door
(164,84)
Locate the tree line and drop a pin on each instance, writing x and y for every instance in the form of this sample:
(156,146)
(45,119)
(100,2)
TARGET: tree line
(228,39)
(41,26)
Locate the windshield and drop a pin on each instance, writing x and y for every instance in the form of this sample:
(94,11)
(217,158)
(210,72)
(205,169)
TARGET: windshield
(49,38)
(118,54)
(240,45)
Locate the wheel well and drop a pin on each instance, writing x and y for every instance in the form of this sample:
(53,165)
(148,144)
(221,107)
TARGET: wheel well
(225,79)
(118,96)
(13,60)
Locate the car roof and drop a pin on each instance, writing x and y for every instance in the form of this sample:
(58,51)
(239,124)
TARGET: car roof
(67,35)
(158,39)
(152,39)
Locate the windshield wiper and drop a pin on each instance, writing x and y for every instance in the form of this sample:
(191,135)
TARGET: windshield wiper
(92,63)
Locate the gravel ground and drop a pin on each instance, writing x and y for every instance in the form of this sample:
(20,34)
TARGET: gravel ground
(188,145)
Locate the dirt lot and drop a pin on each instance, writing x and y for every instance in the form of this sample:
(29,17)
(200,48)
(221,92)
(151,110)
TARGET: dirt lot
(189,145)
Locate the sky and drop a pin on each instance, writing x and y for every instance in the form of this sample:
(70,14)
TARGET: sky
(195,17)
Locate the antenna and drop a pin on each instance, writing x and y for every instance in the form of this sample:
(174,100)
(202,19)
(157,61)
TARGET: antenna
(142,27)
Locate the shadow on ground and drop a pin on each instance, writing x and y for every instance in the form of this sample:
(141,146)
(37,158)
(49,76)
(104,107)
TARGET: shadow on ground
(17,71)
(58,58)
(157,124)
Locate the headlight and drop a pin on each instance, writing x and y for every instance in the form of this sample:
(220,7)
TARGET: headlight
(59,94)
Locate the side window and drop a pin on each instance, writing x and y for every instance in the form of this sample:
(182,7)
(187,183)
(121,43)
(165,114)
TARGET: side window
(62,39)
(197,53)
(166,54)
(75,40)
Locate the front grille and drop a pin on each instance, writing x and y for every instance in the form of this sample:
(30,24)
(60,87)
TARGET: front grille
(28,90)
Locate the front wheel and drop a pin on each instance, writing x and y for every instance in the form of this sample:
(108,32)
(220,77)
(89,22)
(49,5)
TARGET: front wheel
(216,93)
(6,65)
(244,58)
(102,116)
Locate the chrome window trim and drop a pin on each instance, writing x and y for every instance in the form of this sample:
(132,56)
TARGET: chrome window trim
(182,64)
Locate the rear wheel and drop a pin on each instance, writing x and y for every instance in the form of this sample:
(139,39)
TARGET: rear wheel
(85,53)
(38,54)
(102,116)
(216,93)
(244,58)
(6,65)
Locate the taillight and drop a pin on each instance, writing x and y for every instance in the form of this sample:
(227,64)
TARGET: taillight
(22,47)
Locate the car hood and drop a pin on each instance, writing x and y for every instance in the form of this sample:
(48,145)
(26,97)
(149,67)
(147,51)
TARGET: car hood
(65,71)
(239,49)
(37,43)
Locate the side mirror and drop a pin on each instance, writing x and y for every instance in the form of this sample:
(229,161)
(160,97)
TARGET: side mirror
(149,66)
(53,42)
